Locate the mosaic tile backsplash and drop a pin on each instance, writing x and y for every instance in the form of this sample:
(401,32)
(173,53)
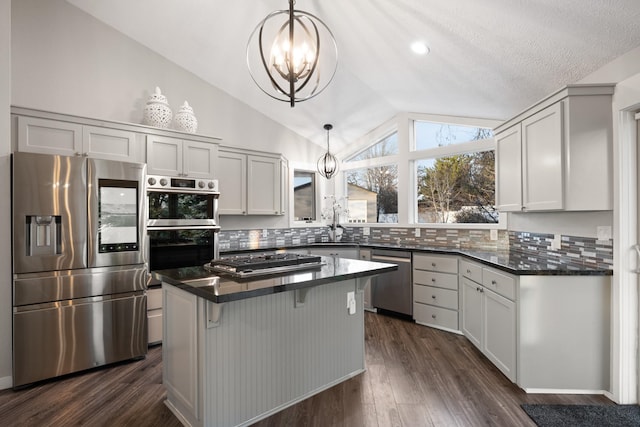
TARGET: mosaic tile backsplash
(534,247)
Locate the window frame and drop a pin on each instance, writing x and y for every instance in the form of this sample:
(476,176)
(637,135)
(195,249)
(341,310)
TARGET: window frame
(318,193)
(406,160)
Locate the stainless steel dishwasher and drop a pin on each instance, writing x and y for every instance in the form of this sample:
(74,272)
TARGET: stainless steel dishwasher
(393,291)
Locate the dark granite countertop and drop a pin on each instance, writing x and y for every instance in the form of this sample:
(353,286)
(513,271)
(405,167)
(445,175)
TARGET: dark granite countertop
(508,261)
(220,289)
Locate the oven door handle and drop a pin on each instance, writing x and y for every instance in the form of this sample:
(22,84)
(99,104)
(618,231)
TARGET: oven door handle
(215,228)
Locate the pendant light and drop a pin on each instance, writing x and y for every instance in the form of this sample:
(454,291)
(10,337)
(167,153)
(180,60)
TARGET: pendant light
(328,163)
(292,55)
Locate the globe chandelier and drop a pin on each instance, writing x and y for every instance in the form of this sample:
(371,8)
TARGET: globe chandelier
(328,164)
(292,55)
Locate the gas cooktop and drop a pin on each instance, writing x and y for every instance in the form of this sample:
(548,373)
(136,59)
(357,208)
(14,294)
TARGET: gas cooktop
(264,264)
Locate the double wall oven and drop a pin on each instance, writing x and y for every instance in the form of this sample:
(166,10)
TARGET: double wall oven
(182,224)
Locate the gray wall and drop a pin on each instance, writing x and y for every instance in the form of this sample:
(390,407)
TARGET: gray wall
(5,210)
(57,58)
(66,61)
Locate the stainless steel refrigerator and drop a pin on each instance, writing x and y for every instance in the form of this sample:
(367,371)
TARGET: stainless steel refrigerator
(79,264)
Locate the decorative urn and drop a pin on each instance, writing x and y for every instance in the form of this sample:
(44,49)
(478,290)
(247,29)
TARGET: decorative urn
(185,120)
(157,111)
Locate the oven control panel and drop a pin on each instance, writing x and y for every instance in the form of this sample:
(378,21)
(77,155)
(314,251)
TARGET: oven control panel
(163,183)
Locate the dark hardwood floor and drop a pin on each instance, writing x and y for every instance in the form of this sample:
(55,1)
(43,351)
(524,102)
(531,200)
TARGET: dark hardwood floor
(416,376)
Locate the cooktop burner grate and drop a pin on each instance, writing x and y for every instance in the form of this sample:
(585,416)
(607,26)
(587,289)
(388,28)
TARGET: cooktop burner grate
(264,264)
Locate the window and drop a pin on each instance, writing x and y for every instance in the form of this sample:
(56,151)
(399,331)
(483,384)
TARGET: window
(385,147)
(457,189)
(373,194)
(432,135)
(304,195)
(455,183)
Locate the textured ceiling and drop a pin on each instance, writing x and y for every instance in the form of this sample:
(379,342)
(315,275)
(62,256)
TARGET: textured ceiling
(489,59)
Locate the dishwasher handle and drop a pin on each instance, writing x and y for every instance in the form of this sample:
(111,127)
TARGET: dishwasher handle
(389,258)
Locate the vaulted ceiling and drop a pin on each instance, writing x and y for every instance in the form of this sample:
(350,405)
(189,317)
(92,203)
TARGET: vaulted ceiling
(488,59)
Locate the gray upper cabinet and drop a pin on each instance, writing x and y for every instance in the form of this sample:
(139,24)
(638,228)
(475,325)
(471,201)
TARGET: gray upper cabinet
(251,183)
(557,155)
(61,137)
(180,157)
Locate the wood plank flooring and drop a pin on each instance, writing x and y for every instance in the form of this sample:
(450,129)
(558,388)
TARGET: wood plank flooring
(416,376)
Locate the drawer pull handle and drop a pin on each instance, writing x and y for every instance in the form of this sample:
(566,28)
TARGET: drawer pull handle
(433,280)
(493,282)
(433,264)
(433,296)
(468,271)
(433,316)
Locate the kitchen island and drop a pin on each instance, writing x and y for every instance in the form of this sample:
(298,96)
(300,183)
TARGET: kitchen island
(236,351)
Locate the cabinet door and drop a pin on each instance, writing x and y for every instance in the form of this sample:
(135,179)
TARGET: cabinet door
(181,364)
(199,158)
(232,181)
(500,332)
(472,311)
(263,189)
(49,136)
(164,155)
(542,171)
(111,144)
(509,170)
(365,254)
(284,186)
(350,253)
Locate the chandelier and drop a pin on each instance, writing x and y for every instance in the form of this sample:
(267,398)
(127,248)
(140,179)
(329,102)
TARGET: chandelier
(328,163)
(294,57)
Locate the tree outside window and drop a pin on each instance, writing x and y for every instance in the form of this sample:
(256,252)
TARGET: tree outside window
(459,188)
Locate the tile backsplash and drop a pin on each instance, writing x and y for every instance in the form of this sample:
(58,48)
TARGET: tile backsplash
(535,247)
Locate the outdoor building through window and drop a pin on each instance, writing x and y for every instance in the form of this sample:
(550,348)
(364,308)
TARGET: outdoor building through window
(373,194)
(444,170)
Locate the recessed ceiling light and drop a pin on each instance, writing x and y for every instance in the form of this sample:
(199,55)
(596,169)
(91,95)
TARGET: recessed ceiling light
(419,48)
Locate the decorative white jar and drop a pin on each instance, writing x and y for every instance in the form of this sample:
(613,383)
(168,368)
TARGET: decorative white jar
(157,111)
(185,120)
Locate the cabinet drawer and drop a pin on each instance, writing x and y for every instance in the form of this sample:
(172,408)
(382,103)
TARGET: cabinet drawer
(499,283)
(435,316)
(471,271)
(154,320)
(443,264)
(445,298)
(440,280)
(154,298)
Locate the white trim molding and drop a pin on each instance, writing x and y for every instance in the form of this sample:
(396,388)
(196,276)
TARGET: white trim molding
(624,310)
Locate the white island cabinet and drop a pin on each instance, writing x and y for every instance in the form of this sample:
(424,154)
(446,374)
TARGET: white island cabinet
(234,362)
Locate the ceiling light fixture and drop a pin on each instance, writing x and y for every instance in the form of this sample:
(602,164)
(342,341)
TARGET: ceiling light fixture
(302,57)
(328,163)
(420,48)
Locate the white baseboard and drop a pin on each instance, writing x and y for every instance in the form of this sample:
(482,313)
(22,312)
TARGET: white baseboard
(6,382)
(562,391)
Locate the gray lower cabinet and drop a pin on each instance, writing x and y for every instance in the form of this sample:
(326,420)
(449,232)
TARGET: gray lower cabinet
(488,314)
(435,291)
(365,254)
(350,253)
(154,315)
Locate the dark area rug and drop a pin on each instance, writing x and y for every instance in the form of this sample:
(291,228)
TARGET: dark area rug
(584,415)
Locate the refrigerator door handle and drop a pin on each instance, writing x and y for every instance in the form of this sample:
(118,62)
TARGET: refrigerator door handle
(637,248)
